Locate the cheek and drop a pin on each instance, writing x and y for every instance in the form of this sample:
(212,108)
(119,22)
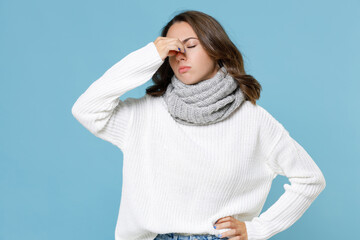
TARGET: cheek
(195,58)
(172,62)
(205,58)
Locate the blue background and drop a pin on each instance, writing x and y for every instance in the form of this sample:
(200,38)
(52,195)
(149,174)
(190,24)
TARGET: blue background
(58,181)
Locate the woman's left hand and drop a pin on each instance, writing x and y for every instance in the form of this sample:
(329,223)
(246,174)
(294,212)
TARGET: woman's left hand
(238,228)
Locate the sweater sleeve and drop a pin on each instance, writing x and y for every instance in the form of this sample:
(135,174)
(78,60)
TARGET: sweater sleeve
(288,158)
(99,108)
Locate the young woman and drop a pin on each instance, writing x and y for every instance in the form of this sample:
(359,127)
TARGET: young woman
(199,153)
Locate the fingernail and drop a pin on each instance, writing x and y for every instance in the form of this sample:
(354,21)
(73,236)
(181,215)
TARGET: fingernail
(219,235)
(179,49)
(215,227)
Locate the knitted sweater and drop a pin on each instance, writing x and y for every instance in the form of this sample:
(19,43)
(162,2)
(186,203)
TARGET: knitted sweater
(182,179)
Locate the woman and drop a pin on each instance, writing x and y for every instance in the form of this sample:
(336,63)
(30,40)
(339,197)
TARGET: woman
(199,153)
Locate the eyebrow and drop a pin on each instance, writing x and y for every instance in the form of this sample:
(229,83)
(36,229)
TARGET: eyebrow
(188,39)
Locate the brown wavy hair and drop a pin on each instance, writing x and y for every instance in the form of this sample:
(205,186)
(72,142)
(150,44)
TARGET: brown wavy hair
(218,46)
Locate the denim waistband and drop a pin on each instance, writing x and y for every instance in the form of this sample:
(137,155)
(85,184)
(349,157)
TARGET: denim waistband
(179,236)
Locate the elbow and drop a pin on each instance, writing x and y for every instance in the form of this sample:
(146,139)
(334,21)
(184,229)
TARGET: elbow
(87,119)
(310,186)
(75,111)
(319,184)
(322,182)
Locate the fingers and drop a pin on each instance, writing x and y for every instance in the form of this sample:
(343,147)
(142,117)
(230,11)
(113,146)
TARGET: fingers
(227,224)
(176,45)
(236,228)
(172,43)
(223,219)
(168,46)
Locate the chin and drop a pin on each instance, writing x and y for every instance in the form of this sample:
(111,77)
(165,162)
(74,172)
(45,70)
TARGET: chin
(185,81)
(189,82)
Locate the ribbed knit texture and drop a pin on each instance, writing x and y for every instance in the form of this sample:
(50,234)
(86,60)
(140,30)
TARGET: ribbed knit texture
(181,179)
(209,101)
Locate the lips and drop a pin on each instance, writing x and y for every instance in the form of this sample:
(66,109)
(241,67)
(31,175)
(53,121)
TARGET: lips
(183,69)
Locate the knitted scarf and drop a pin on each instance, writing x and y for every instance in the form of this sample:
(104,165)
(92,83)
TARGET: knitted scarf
(206,102)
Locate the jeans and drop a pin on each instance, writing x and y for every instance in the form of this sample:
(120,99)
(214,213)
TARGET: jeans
(174,236)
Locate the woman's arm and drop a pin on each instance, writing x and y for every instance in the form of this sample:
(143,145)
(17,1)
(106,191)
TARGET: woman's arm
(99,108)
(288,158)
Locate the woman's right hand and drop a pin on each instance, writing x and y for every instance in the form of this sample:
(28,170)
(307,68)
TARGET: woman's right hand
(168,46)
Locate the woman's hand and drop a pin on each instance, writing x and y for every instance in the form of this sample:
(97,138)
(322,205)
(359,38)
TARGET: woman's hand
(238,228)
(168,46)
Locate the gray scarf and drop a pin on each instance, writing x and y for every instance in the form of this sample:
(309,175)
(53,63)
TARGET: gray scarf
(206,102)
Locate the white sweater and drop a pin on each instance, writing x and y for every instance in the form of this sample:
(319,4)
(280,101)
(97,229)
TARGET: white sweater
(182,179)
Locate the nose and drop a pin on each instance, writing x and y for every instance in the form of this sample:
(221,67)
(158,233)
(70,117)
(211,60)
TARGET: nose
(180,56)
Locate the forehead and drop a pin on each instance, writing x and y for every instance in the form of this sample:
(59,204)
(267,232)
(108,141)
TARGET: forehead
(181,30)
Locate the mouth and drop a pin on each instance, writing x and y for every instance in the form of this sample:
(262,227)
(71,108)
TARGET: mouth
(184,69)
